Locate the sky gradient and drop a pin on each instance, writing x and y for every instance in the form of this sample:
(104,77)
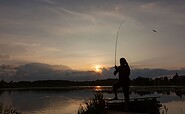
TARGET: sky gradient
(81,33)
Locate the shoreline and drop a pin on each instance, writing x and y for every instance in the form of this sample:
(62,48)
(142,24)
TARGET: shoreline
(96,88)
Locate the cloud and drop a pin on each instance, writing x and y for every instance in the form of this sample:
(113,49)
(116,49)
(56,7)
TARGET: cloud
(36,47)
(4,57)
(149,5)
(147,72)
(49,2)
(53,29)
(7,71)
(26,51)
(40,71)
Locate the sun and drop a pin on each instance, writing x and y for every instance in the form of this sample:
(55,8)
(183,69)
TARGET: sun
(98,68)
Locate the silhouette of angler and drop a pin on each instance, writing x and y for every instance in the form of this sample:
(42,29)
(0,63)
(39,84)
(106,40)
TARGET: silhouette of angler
(124,80)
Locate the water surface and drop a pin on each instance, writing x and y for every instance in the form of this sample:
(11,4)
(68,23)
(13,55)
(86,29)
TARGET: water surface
(67,101)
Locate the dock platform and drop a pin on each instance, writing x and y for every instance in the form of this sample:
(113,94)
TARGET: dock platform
(140,105)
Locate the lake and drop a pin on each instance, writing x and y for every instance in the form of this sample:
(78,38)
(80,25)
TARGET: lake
(67,100)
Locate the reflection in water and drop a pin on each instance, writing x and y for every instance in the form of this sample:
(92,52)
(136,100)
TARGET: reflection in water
(67,102)
(98,88)
(175,107)
(45,102)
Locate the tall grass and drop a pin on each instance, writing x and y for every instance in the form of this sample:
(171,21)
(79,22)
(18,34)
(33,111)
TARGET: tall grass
(164,109)
(8,110)
(93,105)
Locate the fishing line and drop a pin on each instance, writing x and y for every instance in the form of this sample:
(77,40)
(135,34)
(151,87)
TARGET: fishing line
(116,45)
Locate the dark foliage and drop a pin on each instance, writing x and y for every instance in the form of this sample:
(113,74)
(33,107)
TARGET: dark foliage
(140,81)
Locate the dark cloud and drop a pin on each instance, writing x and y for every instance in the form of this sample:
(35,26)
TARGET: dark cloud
(153,73)
(7,71)
(40,71)
(146,72)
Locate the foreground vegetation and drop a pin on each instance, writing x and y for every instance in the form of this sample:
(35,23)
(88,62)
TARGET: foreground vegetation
(98,105)
(94,105)
(8,110)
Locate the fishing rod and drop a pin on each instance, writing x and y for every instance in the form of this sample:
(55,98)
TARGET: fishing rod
(117,39)
(116,45)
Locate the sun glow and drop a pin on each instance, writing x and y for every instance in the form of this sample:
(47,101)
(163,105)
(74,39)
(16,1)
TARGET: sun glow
(98,68)
(98,88)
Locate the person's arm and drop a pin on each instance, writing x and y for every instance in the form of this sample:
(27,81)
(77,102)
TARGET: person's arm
(117,70)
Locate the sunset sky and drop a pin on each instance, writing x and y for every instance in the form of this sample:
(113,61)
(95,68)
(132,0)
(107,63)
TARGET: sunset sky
(81,33)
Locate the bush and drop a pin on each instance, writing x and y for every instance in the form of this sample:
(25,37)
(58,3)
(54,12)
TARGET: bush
(93,105)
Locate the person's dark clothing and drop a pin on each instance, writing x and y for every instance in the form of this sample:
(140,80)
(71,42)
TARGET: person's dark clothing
(124,72)
(124,81)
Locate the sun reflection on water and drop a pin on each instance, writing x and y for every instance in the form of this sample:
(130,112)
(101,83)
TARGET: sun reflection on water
(98,88)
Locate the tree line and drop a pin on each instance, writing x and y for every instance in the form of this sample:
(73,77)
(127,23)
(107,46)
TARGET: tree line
(140,81)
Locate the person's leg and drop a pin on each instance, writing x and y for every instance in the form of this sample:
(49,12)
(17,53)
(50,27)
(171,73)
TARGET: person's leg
(115,87)
(126,93)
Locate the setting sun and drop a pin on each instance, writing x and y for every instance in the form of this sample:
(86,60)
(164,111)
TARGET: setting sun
(98,68)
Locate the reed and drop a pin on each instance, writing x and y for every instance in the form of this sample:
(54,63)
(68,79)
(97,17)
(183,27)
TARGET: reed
(8,109)
(93,105)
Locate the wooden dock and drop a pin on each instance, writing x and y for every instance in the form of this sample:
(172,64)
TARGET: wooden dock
(140,105)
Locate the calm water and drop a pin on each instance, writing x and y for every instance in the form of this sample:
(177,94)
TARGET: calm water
(67,101)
